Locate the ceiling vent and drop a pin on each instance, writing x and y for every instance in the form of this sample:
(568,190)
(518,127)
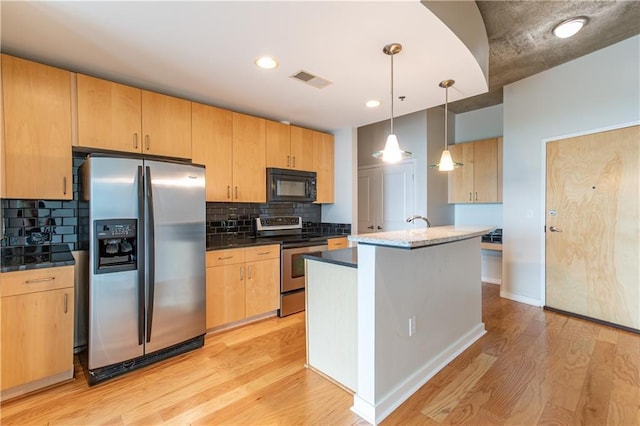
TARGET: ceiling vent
(311,80)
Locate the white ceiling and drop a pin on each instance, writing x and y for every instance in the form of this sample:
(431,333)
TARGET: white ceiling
(204,51)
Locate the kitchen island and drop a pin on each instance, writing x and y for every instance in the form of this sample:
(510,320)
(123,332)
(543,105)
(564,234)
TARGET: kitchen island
(416,304)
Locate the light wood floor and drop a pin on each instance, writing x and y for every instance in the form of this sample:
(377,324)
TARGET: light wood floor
(532,367)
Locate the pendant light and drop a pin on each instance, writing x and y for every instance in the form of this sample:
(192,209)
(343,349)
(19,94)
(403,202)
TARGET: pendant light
(392,152)
(446,162)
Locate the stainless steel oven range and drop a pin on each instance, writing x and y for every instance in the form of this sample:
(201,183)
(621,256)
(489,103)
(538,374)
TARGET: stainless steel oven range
(294,243)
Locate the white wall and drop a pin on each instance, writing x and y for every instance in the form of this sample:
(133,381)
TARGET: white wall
(344,208)
(596,91)
(479,124)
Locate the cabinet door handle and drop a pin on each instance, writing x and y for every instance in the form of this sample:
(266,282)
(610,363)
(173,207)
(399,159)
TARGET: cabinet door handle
(65,302)
(288,161)
(236,190)
(147,142)
(64,185)
(229,191)
(241,273)
(135,140)
(249,271)
(476,196)
(379,227)
(470,197)
(40,280)
(370,227)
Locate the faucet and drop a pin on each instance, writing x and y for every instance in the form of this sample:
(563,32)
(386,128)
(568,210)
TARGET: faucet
(414,217)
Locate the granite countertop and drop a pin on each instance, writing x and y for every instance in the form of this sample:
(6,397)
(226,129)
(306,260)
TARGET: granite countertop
(222,241)
(35,257)
(416,238)
(344,257)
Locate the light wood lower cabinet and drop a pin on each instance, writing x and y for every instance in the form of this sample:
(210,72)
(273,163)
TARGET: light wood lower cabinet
(242,283)
(37,329)
(337,243)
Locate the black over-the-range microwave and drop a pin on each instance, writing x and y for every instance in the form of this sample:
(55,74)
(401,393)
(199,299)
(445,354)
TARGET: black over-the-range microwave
(291,185)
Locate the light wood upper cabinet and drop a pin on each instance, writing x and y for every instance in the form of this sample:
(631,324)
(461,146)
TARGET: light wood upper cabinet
(477,180)
(323,165)
(36,339)
(108,115)
(249,163)
(212,145)
(37,130)
(166,125)
(301,148)
(278,145)
(121,118)
(289,147)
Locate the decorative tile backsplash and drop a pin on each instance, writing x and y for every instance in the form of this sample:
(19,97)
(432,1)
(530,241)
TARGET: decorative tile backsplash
(238,218)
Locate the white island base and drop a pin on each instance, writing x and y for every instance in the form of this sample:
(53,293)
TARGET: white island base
(440,287)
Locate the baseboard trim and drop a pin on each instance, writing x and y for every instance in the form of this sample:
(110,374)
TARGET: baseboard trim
(375,414)
(522,299)
(488,280)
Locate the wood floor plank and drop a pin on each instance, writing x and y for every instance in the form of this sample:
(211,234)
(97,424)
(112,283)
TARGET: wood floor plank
(450,396)
(547,368)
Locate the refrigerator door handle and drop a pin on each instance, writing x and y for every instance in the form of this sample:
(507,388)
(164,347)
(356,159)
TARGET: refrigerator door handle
(141,292)
(151,252)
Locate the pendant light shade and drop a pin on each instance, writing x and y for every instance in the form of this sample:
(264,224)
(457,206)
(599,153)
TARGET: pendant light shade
(446,163)
(392,152)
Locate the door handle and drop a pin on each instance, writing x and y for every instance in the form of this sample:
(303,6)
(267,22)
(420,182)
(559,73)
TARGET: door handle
(379,227)
(147,143)
(135,140)
(554,229)
(370,227)
(249,271)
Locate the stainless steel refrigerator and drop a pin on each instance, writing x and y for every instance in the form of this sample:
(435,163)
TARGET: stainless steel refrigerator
(146,298)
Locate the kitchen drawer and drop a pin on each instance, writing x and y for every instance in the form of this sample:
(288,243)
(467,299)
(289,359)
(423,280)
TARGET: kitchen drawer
(35,280)
(225,257)
(337,243)
(262,252)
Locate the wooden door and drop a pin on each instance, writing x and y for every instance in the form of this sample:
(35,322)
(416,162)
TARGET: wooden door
(278,144)
(37,130)
(302,148)
(593,226)
(249,170)
(166,125)
(212,145)
(461,178)
(225,294)
(37,336)
(485,171)
(323,165)
(262,289)
(109,115)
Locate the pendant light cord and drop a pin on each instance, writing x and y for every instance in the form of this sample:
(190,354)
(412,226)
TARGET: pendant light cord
(392,54)
(446,118)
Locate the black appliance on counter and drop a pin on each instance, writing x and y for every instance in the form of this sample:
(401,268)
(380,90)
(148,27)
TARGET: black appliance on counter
(494,236)
(287,230)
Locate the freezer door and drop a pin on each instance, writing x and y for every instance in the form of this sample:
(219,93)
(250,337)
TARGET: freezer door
(175,254)
(113,297)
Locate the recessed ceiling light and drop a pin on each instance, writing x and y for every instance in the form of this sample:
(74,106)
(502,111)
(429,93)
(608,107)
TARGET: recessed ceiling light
(372,103)
(569,27)
(266,62)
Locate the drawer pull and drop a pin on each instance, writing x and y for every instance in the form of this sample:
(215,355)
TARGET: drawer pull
(225,257)
(264,253)
(40,280)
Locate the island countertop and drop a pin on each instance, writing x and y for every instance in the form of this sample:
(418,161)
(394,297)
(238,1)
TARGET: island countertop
(416,238)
